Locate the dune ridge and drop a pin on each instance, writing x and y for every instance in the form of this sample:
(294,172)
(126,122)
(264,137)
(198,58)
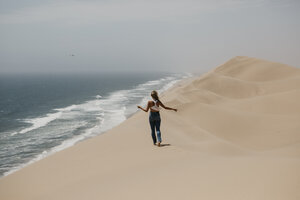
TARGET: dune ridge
(235,136)
(249,94)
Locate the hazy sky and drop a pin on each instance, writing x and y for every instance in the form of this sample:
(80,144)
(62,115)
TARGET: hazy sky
(125,35)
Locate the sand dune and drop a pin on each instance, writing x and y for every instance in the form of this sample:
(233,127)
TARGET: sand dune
(249,100)
(235,136)
(250,69)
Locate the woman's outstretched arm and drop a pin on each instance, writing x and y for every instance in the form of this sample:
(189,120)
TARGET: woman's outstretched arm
(148,107)
(166,107)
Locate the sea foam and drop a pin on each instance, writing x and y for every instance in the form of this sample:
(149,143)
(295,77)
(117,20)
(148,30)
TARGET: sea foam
(106,112)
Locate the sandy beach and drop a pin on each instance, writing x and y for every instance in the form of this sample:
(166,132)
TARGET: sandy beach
(236,136)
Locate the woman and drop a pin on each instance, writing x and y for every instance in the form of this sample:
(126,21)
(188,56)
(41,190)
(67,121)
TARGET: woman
(154,117)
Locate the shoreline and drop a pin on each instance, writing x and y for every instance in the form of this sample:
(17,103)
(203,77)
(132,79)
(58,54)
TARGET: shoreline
(235,135)
(62,147)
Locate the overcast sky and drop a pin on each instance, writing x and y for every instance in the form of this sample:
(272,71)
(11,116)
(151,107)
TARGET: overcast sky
(126,35)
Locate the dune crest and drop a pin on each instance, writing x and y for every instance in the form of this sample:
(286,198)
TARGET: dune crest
(248,102)
(253,69)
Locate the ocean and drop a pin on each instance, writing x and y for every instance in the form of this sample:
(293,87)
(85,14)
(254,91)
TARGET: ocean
(43,114)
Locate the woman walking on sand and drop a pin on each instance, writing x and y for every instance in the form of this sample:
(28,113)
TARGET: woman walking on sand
(154,116)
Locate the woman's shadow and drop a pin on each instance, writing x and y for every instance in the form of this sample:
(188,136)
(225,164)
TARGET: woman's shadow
(164,145)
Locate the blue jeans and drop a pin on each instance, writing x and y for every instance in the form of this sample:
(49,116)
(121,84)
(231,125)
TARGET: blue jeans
(154,119)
